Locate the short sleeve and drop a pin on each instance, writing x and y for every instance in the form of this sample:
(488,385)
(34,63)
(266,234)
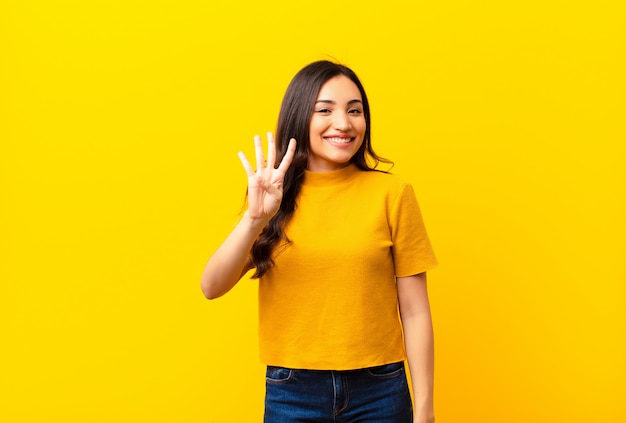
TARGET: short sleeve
(411,249)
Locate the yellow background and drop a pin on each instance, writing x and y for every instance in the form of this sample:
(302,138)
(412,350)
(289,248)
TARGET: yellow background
(119,127)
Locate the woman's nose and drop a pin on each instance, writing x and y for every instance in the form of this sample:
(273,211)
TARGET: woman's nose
(341,121)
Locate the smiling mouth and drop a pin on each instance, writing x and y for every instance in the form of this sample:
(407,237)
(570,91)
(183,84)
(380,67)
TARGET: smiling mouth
(339,140)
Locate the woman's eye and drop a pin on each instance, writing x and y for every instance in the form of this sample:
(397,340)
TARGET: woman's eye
(323,111)
(355,111)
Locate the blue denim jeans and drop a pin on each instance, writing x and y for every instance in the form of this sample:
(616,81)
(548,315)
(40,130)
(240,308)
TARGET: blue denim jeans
(377,394)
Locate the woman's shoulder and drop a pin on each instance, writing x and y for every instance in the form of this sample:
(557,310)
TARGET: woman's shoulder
(383,185)
(384,179)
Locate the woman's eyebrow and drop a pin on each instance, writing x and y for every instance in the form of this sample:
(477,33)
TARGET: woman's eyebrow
(356,100)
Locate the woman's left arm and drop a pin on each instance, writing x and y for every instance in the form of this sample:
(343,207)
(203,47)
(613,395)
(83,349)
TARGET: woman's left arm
(418,340)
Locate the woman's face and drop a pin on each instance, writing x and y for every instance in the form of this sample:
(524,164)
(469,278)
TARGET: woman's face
(337,126)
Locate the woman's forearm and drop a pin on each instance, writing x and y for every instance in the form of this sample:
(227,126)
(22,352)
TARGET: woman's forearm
(418,333)
(418,338)
(231,260)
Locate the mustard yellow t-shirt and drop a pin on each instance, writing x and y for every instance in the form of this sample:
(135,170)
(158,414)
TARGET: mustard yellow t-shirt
(330,301)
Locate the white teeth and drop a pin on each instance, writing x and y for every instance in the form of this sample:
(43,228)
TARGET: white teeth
(339,140)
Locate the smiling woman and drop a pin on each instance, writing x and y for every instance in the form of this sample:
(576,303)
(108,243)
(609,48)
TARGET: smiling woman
(340,251)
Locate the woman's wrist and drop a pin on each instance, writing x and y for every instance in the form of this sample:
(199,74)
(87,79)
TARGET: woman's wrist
(423,416)
(424,410)
(254,223)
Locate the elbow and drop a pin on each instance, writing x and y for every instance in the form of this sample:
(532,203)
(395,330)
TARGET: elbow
(215,283)
(210,290)
(211,296)
(210,293)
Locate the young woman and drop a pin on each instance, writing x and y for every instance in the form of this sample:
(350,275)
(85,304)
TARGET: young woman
(341,254)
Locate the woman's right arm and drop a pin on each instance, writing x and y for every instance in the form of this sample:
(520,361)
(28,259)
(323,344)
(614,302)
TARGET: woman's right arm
(265,192)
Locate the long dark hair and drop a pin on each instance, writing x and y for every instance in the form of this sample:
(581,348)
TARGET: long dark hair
(293,122)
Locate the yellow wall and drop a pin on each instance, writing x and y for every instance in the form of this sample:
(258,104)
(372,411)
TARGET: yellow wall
(119,126)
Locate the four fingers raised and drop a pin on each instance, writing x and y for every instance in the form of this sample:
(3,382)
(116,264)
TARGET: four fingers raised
(271,155)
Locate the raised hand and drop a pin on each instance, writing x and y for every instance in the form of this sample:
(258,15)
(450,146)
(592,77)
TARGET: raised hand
(265,186)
